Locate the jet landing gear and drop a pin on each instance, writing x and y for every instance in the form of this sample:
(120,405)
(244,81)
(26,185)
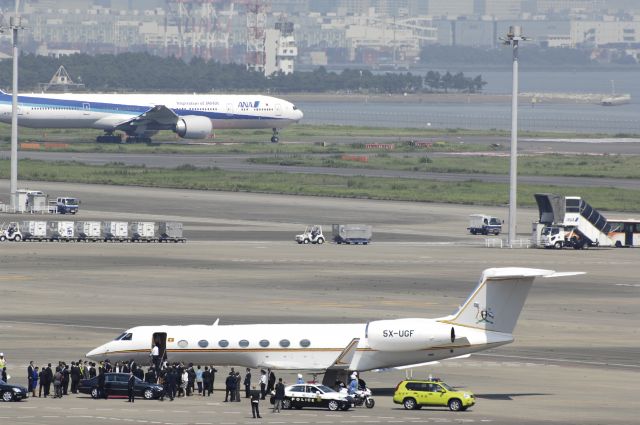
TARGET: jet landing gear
(109,138)
(275,138)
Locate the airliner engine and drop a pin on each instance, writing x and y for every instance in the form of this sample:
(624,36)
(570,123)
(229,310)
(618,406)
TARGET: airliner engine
(408,334)
(194,127)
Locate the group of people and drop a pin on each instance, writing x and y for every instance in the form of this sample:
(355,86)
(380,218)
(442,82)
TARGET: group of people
(177,379)
(62,377)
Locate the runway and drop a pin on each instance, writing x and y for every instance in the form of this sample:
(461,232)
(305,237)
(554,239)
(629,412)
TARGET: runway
(242,266)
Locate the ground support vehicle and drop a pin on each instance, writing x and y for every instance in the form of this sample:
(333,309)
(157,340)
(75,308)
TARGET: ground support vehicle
(314,395)
(115,231)
(88,231)
(312,234)
(12,392)
(413,394)
(570,221)
(484,225)
(11,232)
(143,231)
(170,231)
(61,231)
(352,234)
(34,230)
(116,385)
(67,205)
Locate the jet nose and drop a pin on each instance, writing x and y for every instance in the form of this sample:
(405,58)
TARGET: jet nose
(97,352)
(299,115)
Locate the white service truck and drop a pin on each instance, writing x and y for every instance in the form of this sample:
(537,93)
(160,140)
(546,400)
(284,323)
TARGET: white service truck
(484,224)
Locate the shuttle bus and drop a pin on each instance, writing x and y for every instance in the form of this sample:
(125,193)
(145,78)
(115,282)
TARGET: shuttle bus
(625,232)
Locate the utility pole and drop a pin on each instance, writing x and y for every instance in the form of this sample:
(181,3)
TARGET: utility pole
(15,25)
(514,37)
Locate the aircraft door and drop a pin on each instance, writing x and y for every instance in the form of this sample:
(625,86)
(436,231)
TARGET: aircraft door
(160,339)
(278,108)
(628,233)
(86,108)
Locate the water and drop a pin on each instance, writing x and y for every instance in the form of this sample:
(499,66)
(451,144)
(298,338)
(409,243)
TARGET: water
(565,117)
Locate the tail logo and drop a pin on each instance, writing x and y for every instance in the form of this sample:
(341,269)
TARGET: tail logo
(485,316)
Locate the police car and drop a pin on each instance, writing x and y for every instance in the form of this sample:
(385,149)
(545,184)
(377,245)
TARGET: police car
(315,395)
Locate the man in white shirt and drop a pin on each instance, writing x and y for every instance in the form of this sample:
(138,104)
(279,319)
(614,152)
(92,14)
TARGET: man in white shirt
(155,357)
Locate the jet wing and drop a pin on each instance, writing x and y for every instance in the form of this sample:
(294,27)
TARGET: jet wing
(159,117)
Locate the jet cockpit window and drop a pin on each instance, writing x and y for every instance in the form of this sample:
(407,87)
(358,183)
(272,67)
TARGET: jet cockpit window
(295,108)
(119,336)
(127,337)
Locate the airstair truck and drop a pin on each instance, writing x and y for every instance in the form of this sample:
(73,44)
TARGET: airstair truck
(569,221)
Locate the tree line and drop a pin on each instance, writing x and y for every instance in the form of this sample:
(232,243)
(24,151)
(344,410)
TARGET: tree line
(145,72)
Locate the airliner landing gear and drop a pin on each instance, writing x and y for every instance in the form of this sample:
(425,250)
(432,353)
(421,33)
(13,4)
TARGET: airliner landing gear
(109,138)
(274,138)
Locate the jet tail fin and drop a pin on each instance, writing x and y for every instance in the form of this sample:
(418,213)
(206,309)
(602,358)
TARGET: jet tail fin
(495,304)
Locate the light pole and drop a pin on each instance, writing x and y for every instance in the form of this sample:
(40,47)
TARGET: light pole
(514,37)
(15,25)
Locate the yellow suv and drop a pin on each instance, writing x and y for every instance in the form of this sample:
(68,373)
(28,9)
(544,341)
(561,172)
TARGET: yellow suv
(415,394)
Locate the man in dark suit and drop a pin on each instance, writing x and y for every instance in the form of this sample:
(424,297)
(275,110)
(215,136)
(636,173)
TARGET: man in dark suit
(206,381)
(47,379)
(255,402)
(65,378)
(230,387)
(247,383)
(101,390)
(75,377)
(131,386)
(30,375)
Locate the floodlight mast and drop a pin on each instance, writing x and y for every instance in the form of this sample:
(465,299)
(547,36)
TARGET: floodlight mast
(514,37)
(15,25)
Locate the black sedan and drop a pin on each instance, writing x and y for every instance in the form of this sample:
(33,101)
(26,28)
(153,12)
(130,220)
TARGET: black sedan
(10,392)
(117,384)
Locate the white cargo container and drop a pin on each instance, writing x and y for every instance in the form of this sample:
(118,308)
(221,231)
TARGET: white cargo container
(34,230)
(142,230)
(170,231)
(115,230)
(61,230)
(352,233)
(88,230)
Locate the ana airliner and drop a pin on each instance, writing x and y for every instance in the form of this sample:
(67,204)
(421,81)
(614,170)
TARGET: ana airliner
(140,116)
(485,320)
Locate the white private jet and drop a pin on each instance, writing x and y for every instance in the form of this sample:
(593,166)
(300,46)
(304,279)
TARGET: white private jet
(140,116)
(486,320)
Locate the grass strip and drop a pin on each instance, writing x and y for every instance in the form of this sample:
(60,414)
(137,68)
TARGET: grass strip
(189,177)
(612,166)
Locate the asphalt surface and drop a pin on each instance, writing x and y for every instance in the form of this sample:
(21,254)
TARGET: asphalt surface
(576,334)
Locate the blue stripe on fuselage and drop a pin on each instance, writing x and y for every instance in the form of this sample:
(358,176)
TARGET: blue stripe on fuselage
(118,108)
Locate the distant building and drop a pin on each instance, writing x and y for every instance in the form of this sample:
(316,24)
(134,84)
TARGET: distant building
(600,33)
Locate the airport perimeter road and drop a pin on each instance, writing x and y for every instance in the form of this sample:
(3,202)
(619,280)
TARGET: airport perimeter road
(575,348)
(239,163)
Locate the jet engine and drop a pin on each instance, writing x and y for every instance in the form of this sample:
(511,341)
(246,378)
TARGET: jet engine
(408,334)
(194,127)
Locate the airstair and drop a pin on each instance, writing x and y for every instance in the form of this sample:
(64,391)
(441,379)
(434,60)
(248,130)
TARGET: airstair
(574,214)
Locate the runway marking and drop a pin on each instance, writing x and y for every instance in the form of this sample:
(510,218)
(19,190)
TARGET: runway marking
(59,324)
(630,285)
(14,277)
(547,359)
